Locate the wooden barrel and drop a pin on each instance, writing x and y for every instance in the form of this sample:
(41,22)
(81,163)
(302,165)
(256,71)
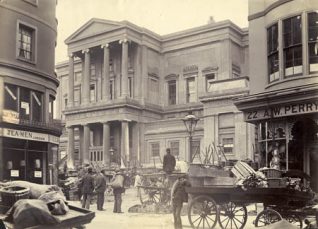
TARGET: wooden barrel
(11,194)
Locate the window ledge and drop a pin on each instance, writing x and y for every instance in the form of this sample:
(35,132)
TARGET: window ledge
(26,60)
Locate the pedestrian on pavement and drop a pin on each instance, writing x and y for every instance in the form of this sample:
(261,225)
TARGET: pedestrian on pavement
(100,188)
(178,196)
(169,162)
(138,183)
(88,188)
(117,184)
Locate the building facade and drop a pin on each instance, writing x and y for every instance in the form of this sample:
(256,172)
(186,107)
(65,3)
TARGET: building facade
(283,104)
(130,88)
(29,137)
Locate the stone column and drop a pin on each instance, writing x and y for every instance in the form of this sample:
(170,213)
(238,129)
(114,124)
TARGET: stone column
(106,143)
(86,141)
(124,68)
(81,144)
(86,77)
(125,141)
(70,148)
(144,73)
(105,74)
(70,102)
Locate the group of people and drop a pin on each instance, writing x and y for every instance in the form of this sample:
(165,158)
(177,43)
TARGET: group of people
(89,184)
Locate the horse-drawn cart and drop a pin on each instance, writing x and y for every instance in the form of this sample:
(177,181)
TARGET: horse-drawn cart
(222,199)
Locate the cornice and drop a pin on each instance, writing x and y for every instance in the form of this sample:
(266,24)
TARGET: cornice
(267,10)
(31,71)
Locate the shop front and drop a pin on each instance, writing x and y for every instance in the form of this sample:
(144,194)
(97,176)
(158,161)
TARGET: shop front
(287,131)
(28,156)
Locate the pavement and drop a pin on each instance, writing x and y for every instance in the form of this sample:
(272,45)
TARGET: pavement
(108,219)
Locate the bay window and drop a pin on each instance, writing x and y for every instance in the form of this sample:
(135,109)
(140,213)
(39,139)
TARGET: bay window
(292,46)
(24,103)
(37,106)
(313,41)
(191,90)
(11,97)
(26,37)
(172,92)
(272,53)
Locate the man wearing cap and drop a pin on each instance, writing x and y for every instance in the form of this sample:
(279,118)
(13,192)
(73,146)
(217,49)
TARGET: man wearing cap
(87,188)
(169,162)
(118,189)
(100,188)
(178,196)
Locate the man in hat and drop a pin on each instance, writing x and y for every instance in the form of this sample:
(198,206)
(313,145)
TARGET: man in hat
(178,196)
(118,189)
(100,188)
(169,162)
(87,188)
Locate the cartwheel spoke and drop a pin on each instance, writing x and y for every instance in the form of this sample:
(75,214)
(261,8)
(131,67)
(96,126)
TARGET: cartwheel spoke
(238,220)
(235,224)
(227,223)
(224,219)
(207,221)
(210,218)
(199,223)
(196,219)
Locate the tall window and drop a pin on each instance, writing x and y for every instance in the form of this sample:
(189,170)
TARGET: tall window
(93,70)
(111,88)
(172,92)
(26,42)
(130,86)
(77,96)
(174,148)
(37,106)
(153,89)
(226,132)
(24,103)
(292,46)
(92,96)
(272,52)
(51,108)
(209,79)
(11,97)
(155,149)
(78,76)
(195,149)
(313,41)
(191,90)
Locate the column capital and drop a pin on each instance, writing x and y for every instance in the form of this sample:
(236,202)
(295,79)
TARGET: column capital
(123,40)
(104,46)
(71,55)
(126,120)
(85,51)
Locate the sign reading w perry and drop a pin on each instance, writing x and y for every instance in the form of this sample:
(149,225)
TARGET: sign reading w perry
(282,110)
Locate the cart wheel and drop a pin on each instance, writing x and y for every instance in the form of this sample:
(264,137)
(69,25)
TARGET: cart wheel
(202,212)
(294,219)
(149,196)
(232,216)
(266,217)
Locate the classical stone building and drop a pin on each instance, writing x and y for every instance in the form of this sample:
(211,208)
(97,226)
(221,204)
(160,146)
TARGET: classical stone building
(29,137)
(283,100)
(130,88)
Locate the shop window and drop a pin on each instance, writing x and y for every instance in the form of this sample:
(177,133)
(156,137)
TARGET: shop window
(24,103)
(37,106)
(209,80)
(92,90)
(191,90)
(313,41)
(292,46)
(172,92)
(155,149)
(174,147)
(26,42)
(11,97)
(272,53)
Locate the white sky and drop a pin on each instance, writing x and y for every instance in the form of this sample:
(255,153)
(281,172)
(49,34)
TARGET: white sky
(159,16)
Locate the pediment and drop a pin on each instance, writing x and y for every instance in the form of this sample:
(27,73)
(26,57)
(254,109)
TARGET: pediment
(93,27)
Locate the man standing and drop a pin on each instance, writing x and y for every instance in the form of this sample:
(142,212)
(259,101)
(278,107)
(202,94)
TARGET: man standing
(178,196)
(118,189)
(169,162)
(100,188)
(87,188)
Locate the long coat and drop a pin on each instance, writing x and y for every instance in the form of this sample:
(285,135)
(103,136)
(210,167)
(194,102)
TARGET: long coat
(88,184)
(100,183)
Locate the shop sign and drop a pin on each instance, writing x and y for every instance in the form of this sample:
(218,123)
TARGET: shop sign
(14,173)
(10,116)
(282,110)
(38,174)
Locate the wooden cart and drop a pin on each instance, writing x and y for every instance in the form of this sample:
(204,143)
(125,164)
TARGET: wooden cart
(227,206)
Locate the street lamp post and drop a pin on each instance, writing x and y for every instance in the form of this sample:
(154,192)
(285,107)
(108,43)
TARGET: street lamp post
(190,122)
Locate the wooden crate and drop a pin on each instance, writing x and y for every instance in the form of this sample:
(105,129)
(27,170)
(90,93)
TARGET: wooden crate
(196,181)
(276,183)
(197,170)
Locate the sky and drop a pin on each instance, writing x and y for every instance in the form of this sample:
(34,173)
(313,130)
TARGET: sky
(160,16)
